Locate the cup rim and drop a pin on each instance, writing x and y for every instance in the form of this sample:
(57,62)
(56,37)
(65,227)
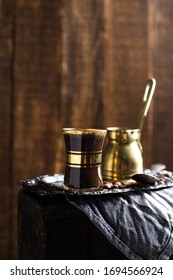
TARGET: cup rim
(73,130)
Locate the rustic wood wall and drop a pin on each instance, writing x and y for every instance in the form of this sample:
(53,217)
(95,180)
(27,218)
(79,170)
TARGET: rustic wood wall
(71,63)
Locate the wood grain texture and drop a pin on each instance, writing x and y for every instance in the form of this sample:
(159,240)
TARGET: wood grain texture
(52,228)
(77,64)
(126,60)
(6,86)
(163,71)
(36,91)
(82,64)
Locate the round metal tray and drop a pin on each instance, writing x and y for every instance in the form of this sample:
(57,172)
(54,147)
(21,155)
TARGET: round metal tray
(54,184)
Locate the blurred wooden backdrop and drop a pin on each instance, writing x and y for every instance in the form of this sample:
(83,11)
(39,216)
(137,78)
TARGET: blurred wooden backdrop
(77,63)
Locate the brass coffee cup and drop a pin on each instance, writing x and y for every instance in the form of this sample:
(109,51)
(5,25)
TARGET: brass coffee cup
(83,158)
(122,156)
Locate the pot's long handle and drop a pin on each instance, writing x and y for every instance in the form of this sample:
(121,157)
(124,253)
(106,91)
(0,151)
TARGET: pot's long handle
(148,95)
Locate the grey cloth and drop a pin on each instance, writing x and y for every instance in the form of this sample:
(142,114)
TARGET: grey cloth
(139,223)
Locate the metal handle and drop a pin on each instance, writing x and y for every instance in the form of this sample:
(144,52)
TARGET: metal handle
(148,95)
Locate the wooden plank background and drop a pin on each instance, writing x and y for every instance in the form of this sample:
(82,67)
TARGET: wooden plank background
(77,64)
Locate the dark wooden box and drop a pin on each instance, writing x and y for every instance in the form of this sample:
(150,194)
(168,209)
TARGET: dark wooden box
(52,228)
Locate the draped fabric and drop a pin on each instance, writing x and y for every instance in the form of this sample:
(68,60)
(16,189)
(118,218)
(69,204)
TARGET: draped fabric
(139,224)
